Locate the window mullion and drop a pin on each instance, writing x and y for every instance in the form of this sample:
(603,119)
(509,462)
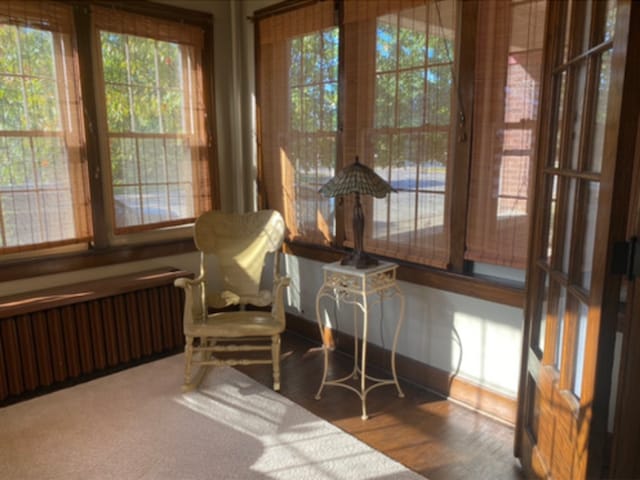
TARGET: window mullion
(86,44)
(459,168)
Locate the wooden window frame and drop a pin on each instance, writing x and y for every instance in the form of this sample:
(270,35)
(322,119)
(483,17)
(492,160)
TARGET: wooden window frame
(56,22)
(458,277)
(103,250)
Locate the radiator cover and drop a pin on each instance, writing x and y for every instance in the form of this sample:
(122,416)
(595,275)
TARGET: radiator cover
(57,337)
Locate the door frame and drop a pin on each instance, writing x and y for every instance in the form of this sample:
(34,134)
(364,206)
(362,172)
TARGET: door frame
(615,186)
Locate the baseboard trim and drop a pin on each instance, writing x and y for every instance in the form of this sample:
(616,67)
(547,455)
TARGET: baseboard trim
(462,391)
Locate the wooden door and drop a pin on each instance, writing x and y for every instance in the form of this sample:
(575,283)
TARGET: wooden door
(582,190)
(625,462)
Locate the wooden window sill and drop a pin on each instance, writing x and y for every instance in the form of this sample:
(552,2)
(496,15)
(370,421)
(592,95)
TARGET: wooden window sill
(92,258)
(497,291)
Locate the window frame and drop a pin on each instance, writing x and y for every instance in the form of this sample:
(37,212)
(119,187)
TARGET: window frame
(394,131)
(54,22)
(299,134)
(458,276)
(106,248)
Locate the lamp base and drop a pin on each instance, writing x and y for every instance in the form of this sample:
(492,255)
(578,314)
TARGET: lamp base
(359,260)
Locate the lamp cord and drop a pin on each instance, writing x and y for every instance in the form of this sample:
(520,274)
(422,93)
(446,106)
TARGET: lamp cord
(461,114)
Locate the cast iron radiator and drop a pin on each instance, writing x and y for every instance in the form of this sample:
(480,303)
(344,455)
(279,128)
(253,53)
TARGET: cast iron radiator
(61,336)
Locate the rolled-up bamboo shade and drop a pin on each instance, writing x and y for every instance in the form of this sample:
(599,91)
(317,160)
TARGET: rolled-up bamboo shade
(44,196)
(507,83)
(399,105)
(297,83)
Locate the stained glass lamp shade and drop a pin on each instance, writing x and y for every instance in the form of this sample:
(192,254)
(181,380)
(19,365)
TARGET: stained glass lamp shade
(357,179)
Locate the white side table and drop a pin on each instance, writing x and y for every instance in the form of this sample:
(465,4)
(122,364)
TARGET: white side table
(343,283)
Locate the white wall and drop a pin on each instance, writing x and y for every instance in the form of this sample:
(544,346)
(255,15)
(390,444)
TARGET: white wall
(478,339)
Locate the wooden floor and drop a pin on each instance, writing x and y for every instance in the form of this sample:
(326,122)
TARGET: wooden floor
(437,438)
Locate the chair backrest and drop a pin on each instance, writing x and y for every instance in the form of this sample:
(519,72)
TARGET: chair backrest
(240,243)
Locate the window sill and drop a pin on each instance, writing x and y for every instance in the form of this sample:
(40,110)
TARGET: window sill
(60,263)
(493,290)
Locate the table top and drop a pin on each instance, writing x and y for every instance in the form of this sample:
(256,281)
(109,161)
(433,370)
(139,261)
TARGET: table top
(360,272)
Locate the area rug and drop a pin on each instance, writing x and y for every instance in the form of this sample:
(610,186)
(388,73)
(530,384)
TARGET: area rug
(136,424)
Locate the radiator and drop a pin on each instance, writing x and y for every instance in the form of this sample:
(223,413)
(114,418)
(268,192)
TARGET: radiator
(54,338)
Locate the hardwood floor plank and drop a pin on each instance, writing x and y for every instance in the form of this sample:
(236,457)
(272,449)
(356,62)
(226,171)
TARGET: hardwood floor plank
(430,435)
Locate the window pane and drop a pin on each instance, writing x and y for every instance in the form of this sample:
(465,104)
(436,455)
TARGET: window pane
(541,324)
(157,174)
(124,164)
(506,97)
(600,117)
(408,143)
(551,217)
(555,159)
(386,46)
(13,115)
(40,203)
(385,115)
(114,58)
(153,162)
(311,108)
(153,116)
(411,99)
(560,326)
(430,211)
(146,114)
(179,166)
(569,213)
(142,60)
(413,43)
(171,108)
(119,111)
(580,343)
(36,48)
(588,235)
(439,86)
(127,206)
(42,104)
(611,19)
(577,105)
(312,98)
(169,65)
(9,53)
(37,205)
(512,189)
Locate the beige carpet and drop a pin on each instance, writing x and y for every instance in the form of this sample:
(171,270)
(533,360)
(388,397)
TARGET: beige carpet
(136,424)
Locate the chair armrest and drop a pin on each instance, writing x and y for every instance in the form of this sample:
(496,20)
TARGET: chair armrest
(277,308)
(278,289)
(194,305)
(186,282)
(280,283)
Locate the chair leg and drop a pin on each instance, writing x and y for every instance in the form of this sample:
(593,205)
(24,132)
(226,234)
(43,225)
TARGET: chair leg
(275,358)
(188,356)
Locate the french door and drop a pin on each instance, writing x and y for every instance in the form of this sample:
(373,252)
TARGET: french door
(625,461)
(582,198)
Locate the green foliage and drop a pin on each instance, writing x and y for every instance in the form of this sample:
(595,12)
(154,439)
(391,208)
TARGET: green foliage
(412,91)
(9,61)
(313,99)
(144,85)
(36,47)
(413,86)
(29,101)
(145,95)
(124,168)
(28,88)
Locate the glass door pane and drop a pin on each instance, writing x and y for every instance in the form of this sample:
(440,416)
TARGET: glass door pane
(591,194)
